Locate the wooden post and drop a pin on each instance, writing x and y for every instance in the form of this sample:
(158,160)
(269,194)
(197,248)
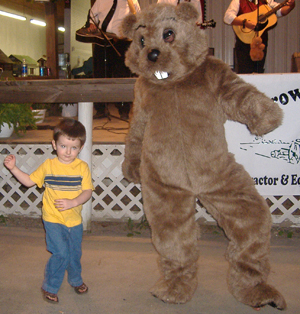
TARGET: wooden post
(85,116)
(51,38)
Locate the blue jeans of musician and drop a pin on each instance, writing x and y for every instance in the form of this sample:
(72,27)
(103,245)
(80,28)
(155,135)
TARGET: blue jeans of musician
(65,245)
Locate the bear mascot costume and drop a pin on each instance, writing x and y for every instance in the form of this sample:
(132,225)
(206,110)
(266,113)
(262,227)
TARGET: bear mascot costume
(176,148)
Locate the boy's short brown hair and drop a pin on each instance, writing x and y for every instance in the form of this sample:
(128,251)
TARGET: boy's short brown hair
(70,128)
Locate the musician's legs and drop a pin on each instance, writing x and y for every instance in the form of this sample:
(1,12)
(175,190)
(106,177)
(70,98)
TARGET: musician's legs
(261,64)
(121,70)
(243,60)
(108,64)
(102,69)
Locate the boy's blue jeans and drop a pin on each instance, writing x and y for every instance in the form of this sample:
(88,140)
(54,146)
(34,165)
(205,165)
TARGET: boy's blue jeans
(65,245)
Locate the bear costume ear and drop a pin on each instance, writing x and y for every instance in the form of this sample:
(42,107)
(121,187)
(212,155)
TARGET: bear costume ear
(128,24)
(187,11)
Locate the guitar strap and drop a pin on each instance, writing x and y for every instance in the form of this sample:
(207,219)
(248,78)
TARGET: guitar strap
(203,9)
(109,16)
(251,8)
(112,11)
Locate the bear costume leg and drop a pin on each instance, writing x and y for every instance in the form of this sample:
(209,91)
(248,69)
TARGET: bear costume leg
(246,220)
(170,212)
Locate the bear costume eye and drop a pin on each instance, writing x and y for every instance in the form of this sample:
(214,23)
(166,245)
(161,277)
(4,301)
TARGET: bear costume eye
(142,41)
(168,36)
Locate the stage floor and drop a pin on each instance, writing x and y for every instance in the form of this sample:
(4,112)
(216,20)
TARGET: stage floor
(107,130)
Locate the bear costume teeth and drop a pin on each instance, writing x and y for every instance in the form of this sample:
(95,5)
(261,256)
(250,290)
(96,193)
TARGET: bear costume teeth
(161,75)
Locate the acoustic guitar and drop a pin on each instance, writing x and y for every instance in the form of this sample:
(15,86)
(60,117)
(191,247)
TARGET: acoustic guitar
(266,20)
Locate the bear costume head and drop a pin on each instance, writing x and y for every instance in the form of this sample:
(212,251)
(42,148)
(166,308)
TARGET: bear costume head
(176,148)
(168,48)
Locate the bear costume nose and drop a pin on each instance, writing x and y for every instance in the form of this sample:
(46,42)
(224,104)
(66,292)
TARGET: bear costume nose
(153,55)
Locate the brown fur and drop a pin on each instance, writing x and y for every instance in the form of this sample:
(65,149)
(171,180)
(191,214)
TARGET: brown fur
(176,148)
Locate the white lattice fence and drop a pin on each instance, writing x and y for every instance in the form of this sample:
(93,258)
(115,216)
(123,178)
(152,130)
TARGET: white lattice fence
(114,198)
(15,198)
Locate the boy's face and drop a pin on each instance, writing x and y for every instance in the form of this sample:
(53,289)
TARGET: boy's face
(67,149)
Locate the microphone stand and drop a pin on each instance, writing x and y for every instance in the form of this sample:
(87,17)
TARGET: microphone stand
(257,27)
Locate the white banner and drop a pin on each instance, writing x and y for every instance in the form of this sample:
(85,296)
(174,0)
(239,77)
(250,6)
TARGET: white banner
(272,160)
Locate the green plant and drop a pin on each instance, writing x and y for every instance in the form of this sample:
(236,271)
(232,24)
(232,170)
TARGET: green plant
(3,220)
(131,225)
(18,116)
(287,233)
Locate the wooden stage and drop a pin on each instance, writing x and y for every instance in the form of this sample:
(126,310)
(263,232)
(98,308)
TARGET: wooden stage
(108,130)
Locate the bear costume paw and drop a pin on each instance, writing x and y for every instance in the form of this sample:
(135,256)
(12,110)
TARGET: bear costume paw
(178,283)
(176,290)
(260,295)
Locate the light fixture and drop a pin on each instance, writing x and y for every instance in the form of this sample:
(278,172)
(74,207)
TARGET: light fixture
(61,29)
(36,22)
(15,16)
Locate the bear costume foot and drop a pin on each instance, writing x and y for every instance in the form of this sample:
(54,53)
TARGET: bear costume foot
(178,282)
(260,295)
(176,290)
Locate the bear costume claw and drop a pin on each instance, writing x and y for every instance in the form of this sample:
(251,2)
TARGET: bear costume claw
(178,284)
(176,291)
(262,294)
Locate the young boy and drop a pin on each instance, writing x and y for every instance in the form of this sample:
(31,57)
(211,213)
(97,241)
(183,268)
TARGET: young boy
(68,185)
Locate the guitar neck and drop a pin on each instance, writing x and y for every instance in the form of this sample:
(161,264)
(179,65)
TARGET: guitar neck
(279,6)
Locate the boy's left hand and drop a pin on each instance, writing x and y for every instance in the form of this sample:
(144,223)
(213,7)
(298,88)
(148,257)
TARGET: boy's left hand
(63,204)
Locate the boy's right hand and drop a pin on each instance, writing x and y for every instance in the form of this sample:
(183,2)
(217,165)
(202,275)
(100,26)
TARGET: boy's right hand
(22,177)
(10,162)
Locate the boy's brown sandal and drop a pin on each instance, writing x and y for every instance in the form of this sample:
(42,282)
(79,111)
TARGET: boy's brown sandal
(50,297)
(83,288)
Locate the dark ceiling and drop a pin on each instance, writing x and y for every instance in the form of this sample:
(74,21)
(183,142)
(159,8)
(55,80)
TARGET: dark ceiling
(34,9)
